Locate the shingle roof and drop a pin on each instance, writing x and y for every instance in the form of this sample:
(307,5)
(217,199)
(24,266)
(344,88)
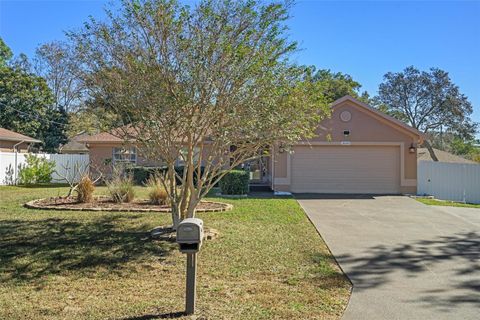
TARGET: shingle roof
(120,134)
(443,156)
(8,135)
(100,137)
(74,146)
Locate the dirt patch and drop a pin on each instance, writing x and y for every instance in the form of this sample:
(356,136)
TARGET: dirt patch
(106,204)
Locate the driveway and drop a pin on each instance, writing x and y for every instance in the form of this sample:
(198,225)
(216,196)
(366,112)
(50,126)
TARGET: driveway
(406,260)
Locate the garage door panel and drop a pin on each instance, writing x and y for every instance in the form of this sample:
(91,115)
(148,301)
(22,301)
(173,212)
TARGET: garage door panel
(346,169)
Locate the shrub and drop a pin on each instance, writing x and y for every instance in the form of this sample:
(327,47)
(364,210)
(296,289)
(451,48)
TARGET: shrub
(36,170)
(121,188)
(85,189)
(235,182)
(141,175)
(156,191)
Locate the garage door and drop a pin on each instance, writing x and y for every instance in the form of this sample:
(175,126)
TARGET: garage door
(346,169)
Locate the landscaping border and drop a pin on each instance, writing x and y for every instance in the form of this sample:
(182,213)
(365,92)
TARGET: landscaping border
(33,204)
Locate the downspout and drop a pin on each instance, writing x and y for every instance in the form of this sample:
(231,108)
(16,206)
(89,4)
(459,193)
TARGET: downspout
(273,167)
(15,149)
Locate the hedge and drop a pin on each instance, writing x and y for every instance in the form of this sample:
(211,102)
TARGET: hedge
(235,182)
(142,174)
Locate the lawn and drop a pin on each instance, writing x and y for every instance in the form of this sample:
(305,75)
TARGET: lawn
(435,202)
(268,263)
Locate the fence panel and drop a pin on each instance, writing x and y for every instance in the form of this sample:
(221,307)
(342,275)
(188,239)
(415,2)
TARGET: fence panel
(449,181)
(64,165)
(70,165)
(9,164)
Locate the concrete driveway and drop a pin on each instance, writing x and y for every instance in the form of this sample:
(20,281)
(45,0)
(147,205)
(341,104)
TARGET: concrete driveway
(406,260)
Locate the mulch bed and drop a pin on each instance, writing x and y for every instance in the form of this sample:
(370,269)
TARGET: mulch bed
(106,204)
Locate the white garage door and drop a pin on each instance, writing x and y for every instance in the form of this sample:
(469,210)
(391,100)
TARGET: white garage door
(346,169)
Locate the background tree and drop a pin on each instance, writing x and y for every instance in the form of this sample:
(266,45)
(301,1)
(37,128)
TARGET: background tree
(93,116)
(428,101)
(5,53)
(54,62)
(335,85)
(27,103)
(210,85)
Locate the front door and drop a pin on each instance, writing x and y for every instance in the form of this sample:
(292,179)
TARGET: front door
(258,169)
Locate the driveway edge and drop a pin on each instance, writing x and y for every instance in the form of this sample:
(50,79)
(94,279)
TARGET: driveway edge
(334,258)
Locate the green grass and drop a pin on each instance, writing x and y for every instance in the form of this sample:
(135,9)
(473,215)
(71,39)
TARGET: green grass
(268,262)
(435,202)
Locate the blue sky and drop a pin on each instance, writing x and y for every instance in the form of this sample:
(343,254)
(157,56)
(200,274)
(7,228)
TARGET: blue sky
(364,39)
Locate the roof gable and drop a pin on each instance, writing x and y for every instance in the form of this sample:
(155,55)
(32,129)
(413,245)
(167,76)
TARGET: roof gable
(8,135)
(102,137)
(392,122)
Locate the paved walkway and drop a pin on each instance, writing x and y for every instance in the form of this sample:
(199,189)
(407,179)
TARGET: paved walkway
(406,260)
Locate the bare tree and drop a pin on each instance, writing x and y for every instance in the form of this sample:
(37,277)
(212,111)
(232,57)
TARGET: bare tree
(54,62)
(210,86)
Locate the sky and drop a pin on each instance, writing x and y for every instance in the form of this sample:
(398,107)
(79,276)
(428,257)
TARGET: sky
(365,39)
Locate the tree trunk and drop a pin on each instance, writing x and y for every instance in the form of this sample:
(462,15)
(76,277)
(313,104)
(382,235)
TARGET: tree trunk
(191,210)
(430,150)
(174,204)
(175,217)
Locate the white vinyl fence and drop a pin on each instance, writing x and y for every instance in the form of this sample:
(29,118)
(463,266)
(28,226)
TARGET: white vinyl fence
(449,181)
(11,161)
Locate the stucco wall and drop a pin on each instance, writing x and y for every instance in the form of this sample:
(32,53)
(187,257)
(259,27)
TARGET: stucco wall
(101,157)
(364,127)
(102,152)
(7,146)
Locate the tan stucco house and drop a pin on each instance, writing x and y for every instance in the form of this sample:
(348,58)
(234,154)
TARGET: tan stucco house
(107,149)
(357,150)
(11,141)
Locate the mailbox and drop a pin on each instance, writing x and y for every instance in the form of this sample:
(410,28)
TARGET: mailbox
(190,235)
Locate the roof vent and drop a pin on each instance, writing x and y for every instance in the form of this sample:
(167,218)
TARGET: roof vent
(345,116)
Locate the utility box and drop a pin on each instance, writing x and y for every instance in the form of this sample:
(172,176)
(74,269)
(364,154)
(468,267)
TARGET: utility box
(190,235)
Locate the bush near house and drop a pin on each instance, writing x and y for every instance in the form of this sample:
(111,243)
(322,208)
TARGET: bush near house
(141,175)
(36,170)
(235,183)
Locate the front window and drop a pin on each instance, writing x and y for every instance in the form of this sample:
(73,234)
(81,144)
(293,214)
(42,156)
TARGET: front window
(184,155)
(125,155)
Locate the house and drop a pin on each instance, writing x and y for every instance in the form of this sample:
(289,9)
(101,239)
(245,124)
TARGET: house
(11,141)
(357,150)
(443,156)
(75,145)
(107,149)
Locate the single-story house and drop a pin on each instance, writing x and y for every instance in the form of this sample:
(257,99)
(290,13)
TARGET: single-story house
(75,145)
(11,141)
(107,148)
(443,156)
(357,150)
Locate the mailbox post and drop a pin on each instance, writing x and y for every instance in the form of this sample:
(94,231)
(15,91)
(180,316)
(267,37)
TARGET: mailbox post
(191,288)
(190,238)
